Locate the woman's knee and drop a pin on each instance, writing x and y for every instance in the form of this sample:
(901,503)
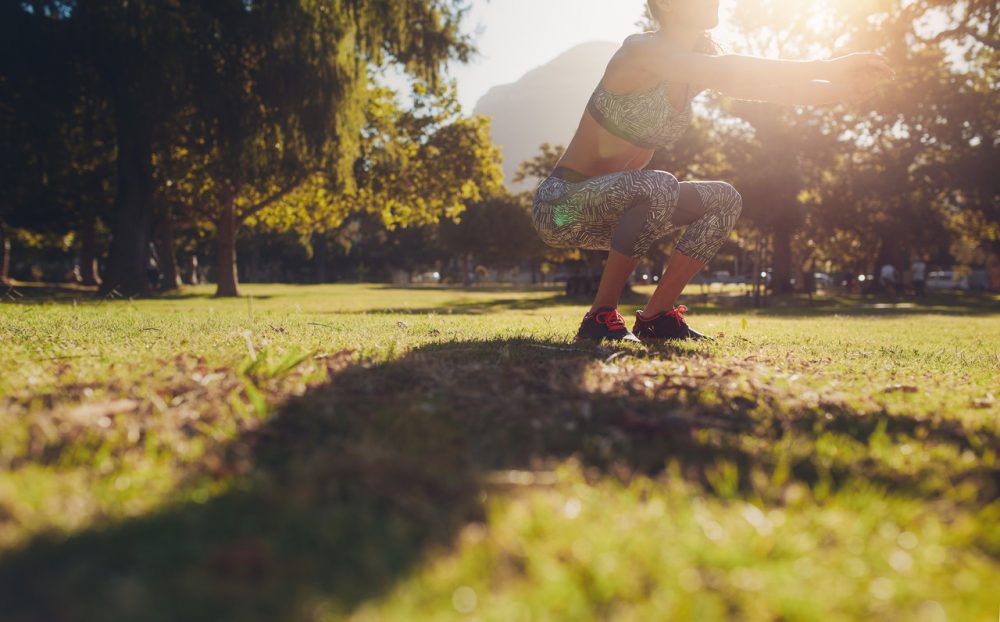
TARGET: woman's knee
(653,184)
(731,200)
(664,181)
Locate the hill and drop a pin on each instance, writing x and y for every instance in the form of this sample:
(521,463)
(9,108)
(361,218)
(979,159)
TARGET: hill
(545,105)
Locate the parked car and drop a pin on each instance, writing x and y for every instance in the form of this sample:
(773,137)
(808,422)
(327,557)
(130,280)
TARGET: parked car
(946,279)
(823,279)
(427,277)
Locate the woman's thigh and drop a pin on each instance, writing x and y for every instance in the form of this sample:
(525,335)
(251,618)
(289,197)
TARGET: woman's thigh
(587,215)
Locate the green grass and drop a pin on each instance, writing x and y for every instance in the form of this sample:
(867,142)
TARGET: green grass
(377,453)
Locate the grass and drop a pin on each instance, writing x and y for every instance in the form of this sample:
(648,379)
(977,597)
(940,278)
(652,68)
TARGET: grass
(364,452)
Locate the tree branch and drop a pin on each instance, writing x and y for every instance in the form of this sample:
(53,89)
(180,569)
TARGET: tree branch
(256,207)
(967,31)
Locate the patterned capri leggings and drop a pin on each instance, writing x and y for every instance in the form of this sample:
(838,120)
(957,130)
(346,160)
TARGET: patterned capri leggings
(630,210)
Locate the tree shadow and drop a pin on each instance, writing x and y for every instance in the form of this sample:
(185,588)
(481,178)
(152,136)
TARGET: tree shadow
(793,306)
(724,303)
(476,306)
(468,306)
(798,306)
(343,493)
(36,293)
(45,293)
(472,288)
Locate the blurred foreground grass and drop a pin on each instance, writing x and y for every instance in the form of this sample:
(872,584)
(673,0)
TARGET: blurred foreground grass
(378,453)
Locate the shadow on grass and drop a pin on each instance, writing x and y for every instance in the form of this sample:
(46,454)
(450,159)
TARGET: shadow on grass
(950,304)
(485,306)
(39,293)
(971,304)
(469,306)
(342,493)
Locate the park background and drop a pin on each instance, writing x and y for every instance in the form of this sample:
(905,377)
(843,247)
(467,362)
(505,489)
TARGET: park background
(229,147)
(373,409)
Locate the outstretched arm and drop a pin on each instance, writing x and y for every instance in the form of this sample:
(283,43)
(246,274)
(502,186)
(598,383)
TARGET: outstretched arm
(810,93)
(733,74)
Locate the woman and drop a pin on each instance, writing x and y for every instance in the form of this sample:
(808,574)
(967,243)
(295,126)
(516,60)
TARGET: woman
(598,197)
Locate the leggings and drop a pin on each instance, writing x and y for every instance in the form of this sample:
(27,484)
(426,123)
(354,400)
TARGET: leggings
(630,210)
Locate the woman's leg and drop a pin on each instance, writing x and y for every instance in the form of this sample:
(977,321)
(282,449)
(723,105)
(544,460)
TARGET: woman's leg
(626,212)
(680,270)
(721,205)
(621,262)
(613,279)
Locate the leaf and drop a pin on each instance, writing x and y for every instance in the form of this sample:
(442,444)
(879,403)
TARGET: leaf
(94,413)
(256,399)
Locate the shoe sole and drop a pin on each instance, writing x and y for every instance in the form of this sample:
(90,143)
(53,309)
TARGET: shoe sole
(662,339)
(602,340)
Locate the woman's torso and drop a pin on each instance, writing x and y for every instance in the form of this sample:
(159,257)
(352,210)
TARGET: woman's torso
(594,149)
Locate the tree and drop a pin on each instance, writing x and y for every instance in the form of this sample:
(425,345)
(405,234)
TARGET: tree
(912,175)
(291,141)
(416,166)
(497,231)
(423,164)
(4,255)
(57,165)
(895,156)
(254,73)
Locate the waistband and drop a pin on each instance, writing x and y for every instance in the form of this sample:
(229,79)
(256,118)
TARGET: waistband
(568,174)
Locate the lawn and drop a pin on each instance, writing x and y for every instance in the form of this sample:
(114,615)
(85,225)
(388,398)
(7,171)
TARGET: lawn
(367,452)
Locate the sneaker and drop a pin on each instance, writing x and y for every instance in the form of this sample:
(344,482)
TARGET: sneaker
(666,325)
(604,324)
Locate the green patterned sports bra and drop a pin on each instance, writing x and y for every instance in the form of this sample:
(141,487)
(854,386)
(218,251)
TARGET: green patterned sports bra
(644,118)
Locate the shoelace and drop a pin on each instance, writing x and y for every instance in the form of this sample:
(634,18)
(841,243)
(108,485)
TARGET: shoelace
(611,319)
(678,314)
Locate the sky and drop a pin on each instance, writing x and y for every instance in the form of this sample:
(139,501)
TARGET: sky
(515,36)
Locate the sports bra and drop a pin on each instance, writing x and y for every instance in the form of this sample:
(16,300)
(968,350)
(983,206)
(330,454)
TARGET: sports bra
(644,118)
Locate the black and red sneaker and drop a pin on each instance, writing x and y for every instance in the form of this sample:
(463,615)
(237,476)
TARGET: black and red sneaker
(604,324)
(666,325)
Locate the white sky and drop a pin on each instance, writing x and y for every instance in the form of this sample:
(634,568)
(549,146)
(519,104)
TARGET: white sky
(519,35)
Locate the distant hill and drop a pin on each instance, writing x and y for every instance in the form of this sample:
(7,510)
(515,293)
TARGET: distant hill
(545,105)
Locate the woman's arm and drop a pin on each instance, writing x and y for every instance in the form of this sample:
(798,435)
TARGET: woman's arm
(728,73)
(811,93)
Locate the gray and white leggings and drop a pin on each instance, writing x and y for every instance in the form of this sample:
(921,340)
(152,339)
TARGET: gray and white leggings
(630,210)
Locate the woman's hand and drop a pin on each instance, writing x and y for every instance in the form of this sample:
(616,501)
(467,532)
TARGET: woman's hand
(863,66)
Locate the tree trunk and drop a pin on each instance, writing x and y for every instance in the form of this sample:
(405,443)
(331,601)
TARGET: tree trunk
(88,253)
(4,257)
(225,261)
(320,257)
(781,281)
(133,215)
(993,271)
(168,254)
(254,271)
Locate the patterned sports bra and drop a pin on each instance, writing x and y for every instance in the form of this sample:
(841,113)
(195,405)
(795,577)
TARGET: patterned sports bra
(644,118)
